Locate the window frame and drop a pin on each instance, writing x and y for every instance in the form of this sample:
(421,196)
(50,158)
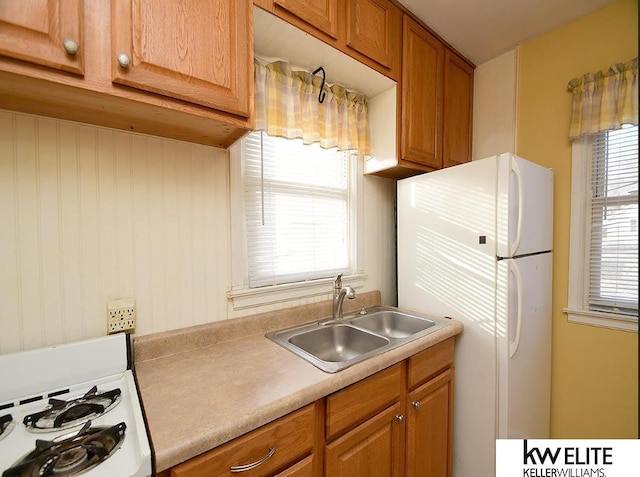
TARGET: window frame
(244,297)
(577,308)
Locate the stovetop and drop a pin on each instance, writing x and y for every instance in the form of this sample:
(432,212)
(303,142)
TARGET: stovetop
(87,434)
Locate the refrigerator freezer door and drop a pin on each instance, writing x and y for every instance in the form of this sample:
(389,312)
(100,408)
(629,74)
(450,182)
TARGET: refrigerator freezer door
(523,331)
(447,267)
(524,207)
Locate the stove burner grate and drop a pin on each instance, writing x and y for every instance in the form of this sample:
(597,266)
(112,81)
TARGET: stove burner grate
(71,454)
(6,425)
(74,412)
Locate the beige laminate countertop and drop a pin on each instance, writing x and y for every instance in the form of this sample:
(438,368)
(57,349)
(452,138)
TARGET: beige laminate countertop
(201,397)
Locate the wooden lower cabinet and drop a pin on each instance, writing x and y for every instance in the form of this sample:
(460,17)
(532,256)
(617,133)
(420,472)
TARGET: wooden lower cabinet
(429,428)
(373,449)
(403,417)
(304,468)
(275,447)
(397,422)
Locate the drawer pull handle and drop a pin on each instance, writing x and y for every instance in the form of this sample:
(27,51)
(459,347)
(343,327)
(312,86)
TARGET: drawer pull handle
(400,418)
(416,404)
(253,465)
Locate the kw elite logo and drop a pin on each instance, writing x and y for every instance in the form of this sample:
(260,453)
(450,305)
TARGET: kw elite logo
(567,457)
(579,461)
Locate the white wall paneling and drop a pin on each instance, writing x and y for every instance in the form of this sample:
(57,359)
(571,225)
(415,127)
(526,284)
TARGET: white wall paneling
(90,213)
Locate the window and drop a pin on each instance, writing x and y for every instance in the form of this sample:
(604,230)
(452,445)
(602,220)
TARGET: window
(603,281)
(298,222)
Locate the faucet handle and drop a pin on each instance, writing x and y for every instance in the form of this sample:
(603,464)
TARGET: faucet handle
(337,283)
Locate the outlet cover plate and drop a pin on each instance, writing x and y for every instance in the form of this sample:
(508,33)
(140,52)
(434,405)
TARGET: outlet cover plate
(121,315)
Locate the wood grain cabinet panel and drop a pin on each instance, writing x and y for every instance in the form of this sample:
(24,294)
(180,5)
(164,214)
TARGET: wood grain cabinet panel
(287,439)
(373,29)
(422,77)
(207,58)
(304,468)
(373,449)
(430,428)
(427,363)
(322,14)
(38,31)
(458,110)
(357,402)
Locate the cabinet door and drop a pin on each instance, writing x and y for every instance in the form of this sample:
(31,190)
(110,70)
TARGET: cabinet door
(429,428)
(422,76)
(458,110)
(45,32)
(373,29)
(322,14)
(373,449)
(207,58)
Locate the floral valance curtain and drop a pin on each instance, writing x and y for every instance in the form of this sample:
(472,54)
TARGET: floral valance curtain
(286,103)
(604,100)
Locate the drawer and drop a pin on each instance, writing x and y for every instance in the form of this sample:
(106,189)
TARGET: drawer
(427,363)
(291,437)
(354,404)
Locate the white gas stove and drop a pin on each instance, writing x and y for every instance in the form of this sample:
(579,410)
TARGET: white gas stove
(72,409)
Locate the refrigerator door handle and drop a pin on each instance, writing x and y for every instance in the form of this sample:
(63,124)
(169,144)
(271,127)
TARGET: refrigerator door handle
(513,345)
(516,170)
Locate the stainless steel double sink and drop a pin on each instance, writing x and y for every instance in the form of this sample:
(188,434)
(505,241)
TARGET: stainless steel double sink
(333,345)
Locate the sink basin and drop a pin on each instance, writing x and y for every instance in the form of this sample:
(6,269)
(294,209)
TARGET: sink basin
(393,324)
(333,345)
(337,343)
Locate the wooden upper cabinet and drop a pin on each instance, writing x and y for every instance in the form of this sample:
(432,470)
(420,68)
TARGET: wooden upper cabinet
(422,78)
(43,32)
(374,29)
(322,14)
(207,59)
(458,110)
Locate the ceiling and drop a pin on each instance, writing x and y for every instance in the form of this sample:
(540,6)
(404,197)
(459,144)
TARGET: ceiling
(483,29)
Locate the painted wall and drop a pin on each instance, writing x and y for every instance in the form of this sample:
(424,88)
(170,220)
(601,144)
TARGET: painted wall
(595,371)
(90,213)
(494,106)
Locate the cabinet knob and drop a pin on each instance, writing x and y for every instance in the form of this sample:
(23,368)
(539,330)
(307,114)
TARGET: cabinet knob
(399,418)
(70,46)
(123,60)
(416,404)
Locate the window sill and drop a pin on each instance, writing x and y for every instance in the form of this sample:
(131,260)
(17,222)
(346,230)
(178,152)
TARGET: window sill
(254,297)
(603,320)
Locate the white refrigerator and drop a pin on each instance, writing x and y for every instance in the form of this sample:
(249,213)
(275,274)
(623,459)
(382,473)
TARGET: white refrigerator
(474,244)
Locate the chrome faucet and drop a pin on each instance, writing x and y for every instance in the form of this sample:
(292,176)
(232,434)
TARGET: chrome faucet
(339,292)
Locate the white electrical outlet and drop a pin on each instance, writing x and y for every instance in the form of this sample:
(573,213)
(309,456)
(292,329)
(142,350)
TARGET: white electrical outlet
(121,315)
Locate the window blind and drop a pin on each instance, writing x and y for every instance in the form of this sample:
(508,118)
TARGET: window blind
(613,263)
(296,210)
